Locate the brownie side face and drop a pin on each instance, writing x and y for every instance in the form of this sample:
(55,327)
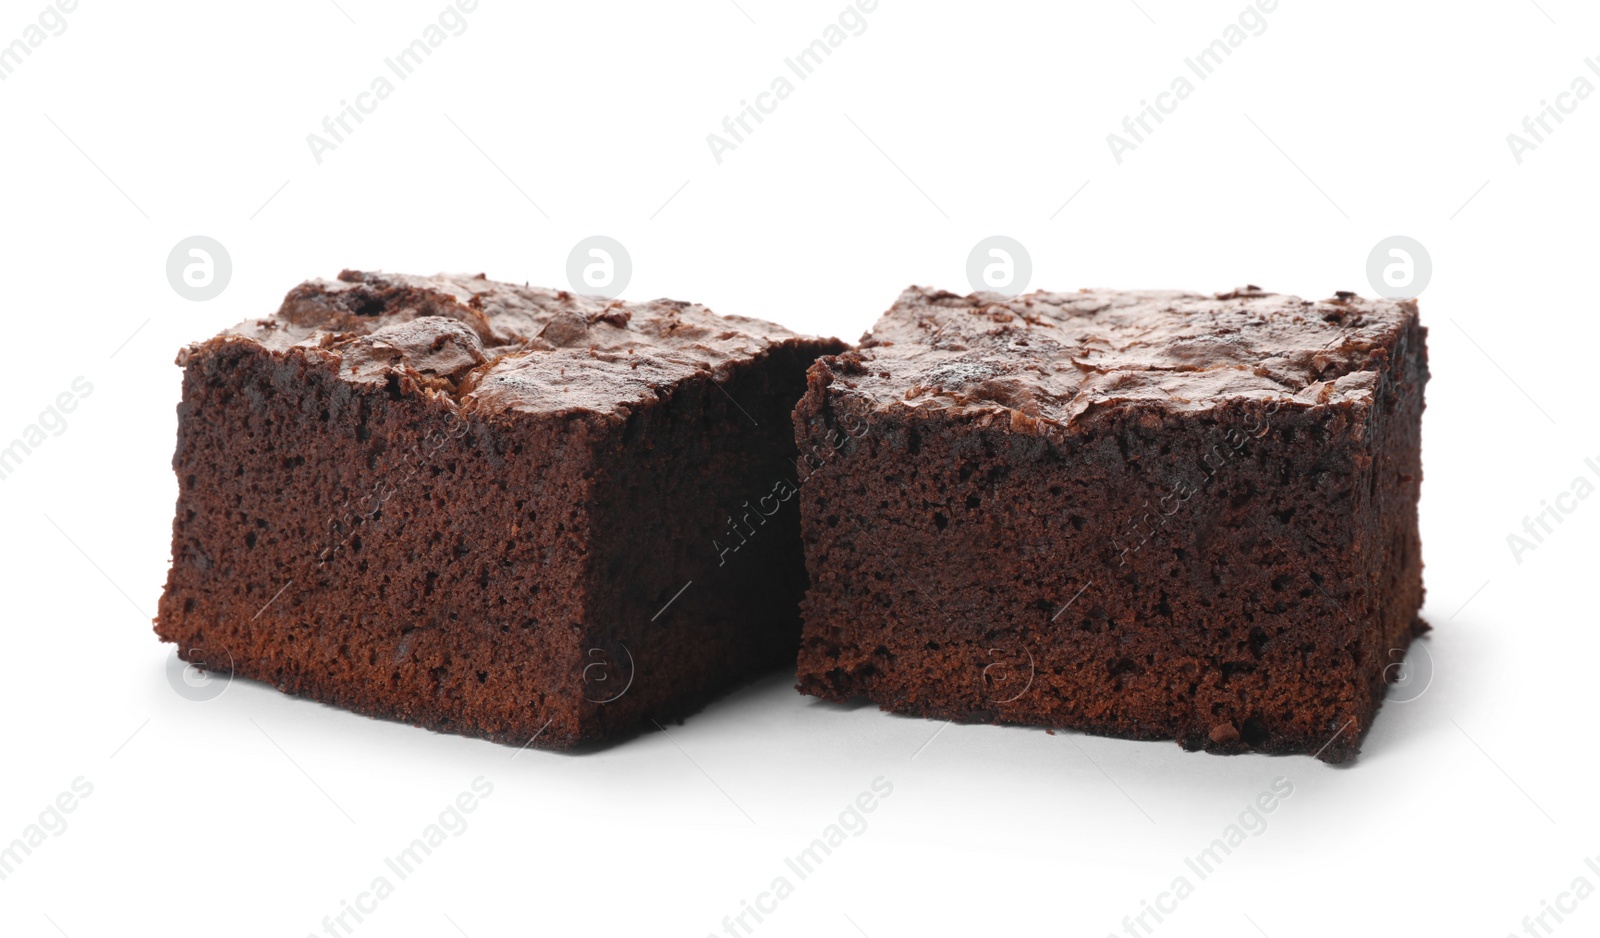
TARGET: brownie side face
(1147,515)
(483,508)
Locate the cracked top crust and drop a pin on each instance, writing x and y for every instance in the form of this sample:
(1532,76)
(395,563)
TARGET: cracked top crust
(496,346)
(1052,358)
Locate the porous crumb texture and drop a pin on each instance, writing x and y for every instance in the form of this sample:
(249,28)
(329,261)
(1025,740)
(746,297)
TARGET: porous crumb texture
(475,507)
(1146,515)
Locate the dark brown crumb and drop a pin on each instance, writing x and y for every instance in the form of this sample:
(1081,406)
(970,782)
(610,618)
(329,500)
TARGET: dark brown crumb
(487,509)
(1191,517)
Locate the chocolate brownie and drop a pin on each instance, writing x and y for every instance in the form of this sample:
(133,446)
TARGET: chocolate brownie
(487,509)
(1152,515)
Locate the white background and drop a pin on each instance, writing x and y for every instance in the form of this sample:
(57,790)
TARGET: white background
(1341,124)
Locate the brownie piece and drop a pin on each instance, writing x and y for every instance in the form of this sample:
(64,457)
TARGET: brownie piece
(487,509)
(1153,515)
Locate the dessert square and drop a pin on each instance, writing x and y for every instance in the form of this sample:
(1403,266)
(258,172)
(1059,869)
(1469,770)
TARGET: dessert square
(1153,515)
(487,509)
